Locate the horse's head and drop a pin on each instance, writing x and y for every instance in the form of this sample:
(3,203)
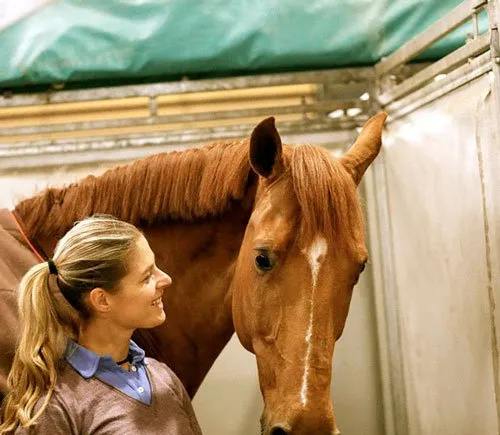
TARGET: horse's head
(301,256)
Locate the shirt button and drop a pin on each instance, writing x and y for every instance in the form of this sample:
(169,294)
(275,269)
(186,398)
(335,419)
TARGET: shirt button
(140,390)
(133,368)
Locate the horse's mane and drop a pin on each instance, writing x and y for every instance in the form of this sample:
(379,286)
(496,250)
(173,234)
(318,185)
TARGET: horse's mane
(187,185)
(196,184)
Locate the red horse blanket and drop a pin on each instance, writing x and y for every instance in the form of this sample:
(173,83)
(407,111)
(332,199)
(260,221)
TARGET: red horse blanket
(16,258)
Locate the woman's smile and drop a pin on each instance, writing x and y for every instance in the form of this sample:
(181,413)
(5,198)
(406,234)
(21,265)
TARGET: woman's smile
(158,302)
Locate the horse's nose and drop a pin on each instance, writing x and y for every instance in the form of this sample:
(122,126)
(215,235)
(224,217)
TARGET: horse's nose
(284,430)
(279,429)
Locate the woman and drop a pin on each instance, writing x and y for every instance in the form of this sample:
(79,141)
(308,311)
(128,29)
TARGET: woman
(76,369)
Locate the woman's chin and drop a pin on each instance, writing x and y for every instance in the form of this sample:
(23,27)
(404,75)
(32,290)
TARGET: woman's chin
(161,318)
(153,321)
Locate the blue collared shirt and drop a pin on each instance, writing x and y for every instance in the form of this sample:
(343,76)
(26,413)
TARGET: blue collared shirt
(134,383)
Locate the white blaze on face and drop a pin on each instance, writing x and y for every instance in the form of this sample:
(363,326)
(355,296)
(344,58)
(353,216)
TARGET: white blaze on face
(315,255)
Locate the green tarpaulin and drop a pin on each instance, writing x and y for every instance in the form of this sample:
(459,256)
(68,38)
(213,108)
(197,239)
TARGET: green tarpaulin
(94,41)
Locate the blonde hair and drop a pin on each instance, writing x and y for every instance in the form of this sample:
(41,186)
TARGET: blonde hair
(94,253)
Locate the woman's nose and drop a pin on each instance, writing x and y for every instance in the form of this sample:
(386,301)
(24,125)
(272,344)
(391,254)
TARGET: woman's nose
(164,280)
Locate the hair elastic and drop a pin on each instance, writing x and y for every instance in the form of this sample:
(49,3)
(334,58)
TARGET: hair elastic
(52,267)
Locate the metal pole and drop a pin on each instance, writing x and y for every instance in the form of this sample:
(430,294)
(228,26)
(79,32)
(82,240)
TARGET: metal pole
(493,15)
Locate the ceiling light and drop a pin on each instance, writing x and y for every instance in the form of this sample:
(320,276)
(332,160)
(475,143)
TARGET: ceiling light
(365,97)
(354,111)
(339,113)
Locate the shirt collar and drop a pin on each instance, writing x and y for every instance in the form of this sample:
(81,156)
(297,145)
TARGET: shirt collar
(86,362)
(136,353)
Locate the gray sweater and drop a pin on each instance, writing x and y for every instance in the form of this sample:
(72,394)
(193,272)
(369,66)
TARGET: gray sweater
(90,407)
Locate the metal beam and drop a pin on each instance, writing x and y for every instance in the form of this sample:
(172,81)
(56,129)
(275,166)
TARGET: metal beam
(194,136)
(342,75)
(459,77)
(126,149)
(116,157)
(320,107)
(439,29)
(444,65)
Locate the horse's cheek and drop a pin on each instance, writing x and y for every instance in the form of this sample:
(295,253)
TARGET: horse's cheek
(269,313)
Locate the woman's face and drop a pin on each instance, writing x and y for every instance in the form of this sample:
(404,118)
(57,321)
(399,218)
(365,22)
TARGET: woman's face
(138,303)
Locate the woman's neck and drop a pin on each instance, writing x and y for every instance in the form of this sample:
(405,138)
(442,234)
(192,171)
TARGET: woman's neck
(104,338)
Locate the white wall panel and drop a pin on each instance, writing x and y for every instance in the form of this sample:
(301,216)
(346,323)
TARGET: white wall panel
(437,238)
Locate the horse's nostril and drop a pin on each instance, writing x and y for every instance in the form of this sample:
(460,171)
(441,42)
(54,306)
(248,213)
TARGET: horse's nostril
(278,430)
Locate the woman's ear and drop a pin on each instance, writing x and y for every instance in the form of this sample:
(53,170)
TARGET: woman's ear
(99,300)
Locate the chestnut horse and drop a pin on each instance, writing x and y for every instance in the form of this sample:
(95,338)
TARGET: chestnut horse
(260,238)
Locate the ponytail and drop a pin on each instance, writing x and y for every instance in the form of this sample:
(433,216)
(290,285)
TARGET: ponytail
(94,253)
(46,320)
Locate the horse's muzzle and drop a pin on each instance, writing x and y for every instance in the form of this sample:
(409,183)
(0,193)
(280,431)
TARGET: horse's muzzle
(284,429)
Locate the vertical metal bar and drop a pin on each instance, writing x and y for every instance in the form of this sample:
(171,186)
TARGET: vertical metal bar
(386,297)
(475,25)
(381,321)
(385,291)
(493,11)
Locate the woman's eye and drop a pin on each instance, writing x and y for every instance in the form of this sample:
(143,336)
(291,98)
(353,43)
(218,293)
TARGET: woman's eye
(147,279)
(263,262)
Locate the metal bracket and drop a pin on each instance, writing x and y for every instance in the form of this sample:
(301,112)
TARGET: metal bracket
(494,36)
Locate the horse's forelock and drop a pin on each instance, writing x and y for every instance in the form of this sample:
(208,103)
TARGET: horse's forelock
(326,195)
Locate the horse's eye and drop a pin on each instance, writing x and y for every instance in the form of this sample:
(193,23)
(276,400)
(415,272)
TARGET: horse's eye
(362,268)
(263,262)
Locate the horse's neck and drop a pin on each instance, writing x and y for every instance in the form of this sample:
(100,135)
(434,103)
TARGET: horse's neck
(200,257)
(213,181)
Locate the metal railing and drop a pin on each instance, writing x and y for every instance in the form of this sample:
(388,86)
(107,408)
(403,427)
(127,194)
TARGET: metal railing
(393,95)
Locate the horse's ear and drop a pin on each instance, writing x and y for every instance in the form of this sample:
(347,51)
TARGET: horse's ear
(366,147)
(265,149)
